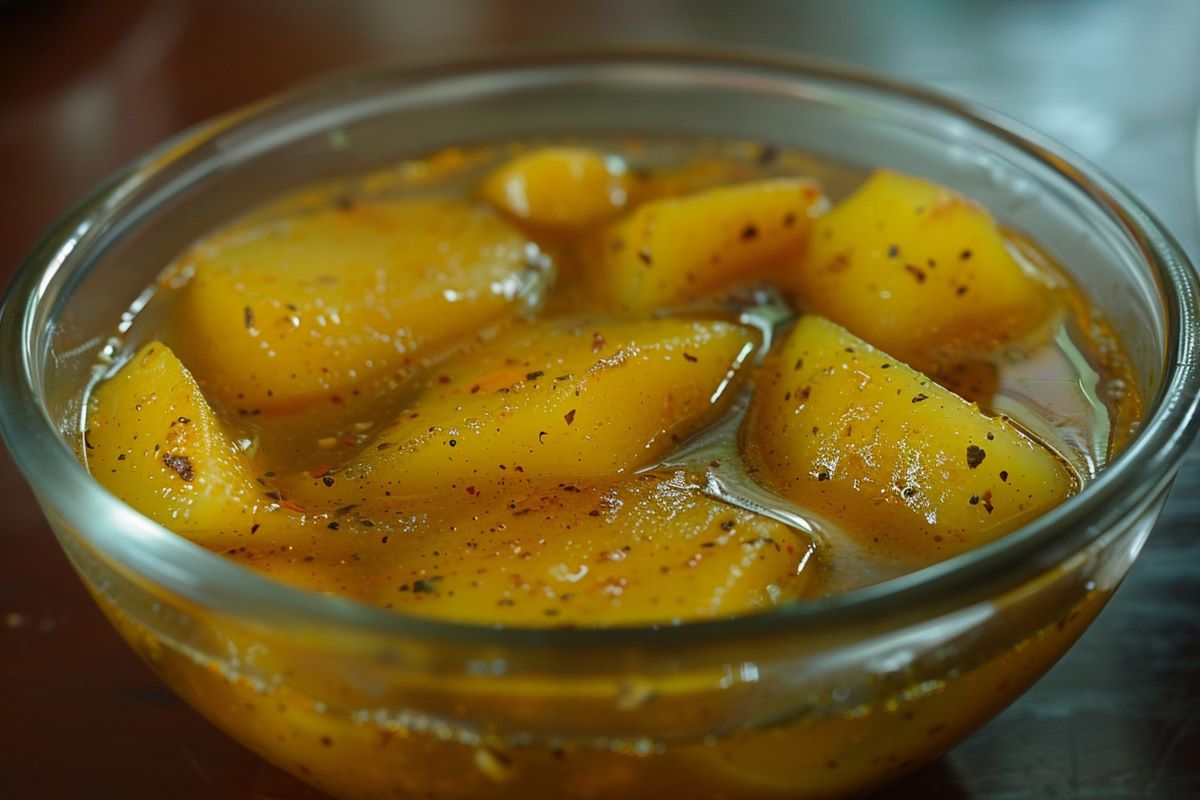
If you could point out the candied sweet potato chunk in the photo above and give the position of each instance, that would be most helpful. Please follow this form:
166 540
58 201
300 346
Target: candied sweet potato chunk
918 271
303 310
559 188
153 441
565 400
673 250
904 464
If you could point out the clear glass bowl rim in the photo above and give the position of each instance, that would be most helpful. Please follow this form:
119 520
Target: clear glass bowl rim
148 553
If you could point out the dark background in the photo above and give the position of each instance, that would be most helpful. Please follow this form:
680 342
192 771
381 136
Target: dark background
87 85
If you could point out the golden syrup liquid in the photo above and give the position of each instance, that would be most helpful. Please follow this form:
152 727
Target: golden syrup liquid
1073 391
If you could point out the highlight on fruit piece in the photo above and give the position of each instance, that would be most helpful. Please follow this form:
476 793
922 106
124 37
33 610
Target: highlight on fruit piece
920 272
595 552
559 188
307 310
906 466
566 399
674 250
154 442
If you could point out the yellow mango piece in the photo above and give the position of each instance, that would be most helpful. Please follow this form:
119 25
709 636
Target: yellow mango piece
561 400
674 250
918 271
154 442
304 310
906 466
649 549
559 188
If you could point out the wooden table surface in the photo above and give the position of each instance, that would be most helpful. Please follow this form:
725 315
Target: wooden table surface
87 85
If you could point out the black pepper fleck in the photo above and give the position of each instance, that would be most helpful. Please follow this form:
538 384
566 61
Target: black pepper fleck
975 455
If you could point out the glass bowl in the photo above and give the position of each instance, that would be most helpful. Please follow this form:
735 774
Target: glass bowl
818 698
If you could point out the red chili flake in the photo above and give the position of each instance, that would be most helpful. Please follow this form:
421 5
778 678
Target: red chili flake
471 490
475 389
597 342
690 357
749 233
644 256
336 399
182 466
443 378
533 376
916 272
317 472
569 416
975 455
254 528
987 502
248 317
799 363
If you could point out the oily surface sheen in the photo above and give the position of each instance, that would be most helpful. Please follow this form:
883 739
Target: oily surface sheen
574 400
305 310
904 463
450 390
646 549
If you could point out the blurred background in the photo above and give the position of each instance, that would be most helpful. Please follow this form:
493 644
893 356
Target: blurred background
87 85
